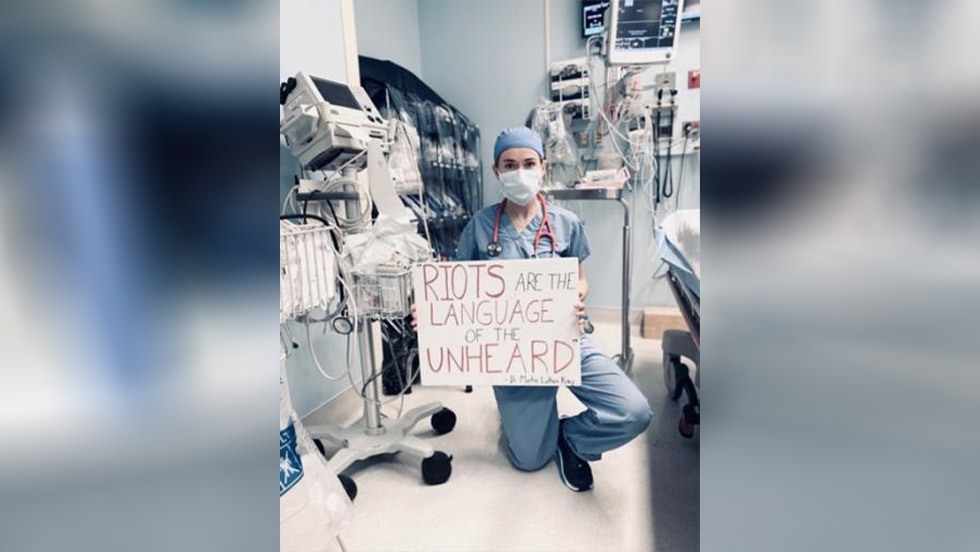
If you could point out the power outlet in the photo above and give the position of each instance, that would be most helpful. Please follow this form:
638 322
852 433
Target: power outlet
694 78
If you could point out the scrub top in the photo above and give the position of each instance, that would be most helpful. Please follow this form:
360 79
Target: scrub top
570 238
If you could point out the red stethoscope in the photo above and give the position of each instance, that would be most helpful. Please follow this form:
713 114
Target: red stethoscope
494 249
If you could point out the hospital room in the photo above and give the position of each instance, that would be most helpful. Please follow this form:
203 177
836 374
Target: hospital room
490 273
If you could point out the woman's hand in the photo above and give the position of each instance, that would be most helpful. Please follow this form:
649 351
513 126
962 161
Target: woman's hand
415 319
580 313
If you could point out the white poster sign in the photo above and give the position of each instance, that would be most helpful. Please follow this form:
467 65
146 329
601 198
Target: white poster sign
498 322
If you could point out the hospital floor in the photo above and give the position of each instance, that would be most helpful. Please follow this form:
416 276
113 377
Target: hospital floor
646 494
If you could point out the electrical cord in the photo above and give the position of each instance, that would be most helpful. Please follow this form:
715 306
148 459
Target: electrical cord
304 216
364 198
636 161
412 353
669 169
649 204
290 194
375 376
656 146
411 357
350 378
316 360
333 212
649 196
401 381
609 124
328 317
287 341
680 176
398 374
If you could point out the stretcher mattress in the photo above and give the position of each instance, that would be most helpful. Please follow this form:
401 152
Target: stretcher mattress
679 240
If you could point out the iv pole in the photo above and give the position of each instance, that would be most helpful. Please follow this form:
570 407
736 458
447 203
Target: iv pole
373 435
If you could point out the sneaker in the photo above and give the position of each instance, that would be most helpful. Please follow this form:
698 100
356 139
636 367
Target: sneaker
575 473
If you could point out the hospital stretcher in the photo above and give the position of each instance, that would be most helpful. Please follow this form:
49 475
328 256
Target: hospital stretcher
679 237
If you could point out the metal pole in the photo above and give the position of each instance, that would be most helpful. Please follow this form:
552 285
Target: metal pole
352 206
369 369
627 353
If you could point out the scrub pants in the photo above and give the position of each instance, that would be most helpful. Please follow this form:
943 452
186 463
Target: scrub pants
616 412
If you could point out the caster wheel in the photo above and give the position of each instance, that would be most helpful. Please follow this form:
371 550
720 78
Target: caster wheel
349 486
443 421
692 414
674 373
685 429
437 468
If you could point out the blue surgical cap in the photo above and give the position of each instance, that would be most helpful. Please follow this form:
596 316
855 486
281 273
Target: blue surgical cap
517 137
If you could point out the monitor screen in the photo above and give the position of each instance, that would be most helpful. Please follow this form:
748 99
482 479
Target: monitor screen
646 24
336 93
594 17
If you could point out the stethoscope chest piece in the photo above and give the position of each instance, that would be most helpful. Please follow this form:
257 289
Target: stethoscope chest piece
494 249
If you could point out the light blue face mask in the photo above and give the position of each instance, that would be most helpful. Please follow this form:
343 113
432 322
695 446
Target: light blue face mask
521 186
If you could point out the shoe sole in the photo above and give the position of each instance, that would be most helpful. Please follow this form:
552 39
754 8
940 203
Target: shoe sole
561 475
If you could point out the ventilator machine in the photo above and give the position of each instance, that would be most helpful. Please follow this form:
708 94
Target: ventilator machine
346 269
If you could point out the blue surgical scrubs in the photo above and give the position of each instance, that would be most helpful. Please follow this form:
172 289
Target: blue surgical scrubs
616 411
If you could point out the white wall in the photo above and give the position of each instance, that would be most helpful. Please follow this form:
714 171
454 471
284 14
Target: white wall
389 29
311 39
485 57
